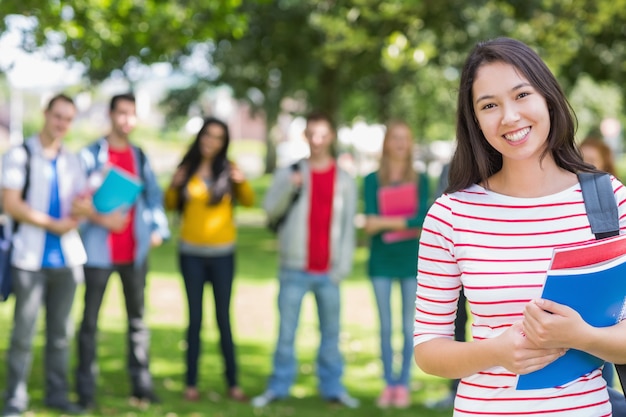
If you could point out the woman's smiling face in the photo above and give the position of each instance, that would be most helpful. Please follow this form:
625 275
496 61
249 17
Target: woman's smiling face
511 113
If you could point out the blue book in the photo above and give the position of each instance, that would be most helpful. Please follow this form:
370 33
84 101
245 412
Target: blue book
119 191
591 279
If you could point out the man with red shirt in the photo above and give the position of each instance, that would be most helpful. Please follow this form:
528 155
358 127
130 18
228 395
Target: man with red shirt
316 244
119 242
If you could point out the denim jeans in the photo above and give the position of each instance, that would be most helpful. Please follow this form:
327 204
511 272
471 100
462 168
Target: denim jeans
294 285
54 289
219 271
382 291
138 339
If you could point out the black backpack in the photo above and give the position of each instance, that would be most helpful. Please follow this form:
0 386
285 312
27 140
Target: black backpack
603 215
6 239
275 224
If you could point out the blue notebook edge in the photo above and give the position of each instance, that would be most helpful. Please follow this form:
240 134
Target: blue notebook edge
608 288
119 190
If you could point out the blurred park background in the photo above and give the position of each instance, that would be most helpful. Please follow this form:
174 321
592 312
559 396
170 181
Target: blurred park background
261 65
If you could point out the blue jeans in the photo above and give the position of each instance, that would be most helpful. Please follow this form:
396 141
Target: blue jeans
382 291
294 285
219 271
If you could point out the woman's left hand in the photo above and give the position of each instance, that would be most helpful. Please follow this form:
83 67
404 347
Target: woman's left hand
552 325
372 225
236 174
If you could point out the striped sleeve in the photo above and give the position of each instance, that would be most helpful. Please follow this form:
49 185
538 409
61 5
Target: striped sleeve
438 276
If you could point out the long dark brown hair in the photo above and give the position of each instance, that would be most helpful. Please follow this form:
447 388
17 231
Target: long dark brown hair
220 166
475 160
384 171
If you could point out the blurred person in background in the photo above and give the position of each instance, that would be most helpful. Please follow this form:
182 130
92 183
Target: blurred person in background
316 245
204 190
48 254
120 242
393 257
596 152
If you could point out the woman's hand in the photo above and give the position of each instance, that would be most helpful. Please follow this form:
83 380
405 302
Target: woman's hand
520 355
373 225
552 325
236 175
178 178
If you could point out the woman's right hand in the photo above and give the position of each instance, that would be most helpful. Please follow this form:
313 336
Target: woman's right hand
520 356
178 178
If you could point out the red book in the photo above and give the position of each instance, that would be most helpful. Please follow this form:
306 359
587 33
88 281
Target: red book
398 200
585 254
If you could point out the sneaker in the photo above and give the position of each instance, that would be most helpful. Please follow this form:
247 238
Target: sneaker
146 397
401 397
346 400
237 394
88 404
11 412
191 394
263 399
67 408
386 397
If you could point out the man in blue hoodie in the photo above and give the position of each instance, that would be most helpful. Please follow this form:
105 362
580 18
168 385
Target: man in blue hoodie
119 242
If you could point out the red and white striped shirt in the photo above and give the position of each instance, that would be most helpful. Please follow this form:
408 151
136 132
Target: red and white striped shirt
498 249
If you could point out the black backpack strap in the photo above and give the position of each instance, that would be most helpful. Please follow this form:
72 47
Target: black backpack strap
603 217
275 225
600 204
26 181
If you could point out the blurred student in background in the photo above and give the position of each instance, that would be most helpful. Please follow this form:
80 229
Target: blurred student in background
596 152
204 190
43 189
120 241
316 246
396 202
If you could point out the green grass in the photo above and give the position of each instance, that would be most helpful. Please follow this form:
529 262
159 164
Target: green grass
254 318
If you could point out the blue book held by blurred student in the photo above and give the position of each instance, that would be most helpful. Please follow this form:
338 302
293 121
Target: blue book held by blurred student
119 191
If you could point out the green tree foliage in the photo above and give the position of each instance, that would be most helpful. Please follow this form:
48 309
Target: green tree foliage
367 59
116 35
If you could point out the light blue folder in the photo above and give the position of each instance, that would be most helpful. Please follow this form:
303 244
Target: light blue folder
118 191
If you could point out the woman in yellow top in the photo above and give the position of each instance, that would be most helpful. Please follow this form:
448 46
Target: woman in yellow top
204 189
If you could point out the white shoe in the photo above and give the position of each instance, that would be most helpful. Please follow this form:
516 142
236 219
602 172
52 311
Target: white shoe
263 399
346 400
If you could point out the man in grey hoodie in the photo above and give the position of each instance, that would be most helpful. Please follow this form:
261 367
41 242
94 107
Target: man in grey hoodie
316 246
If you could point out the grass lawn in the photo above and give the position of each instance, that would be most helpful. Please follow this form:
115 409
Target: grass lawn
254 318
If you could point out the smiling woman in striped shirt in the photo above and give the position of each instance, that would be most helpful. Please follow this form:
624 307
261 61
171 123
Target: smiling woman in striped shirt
513 196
